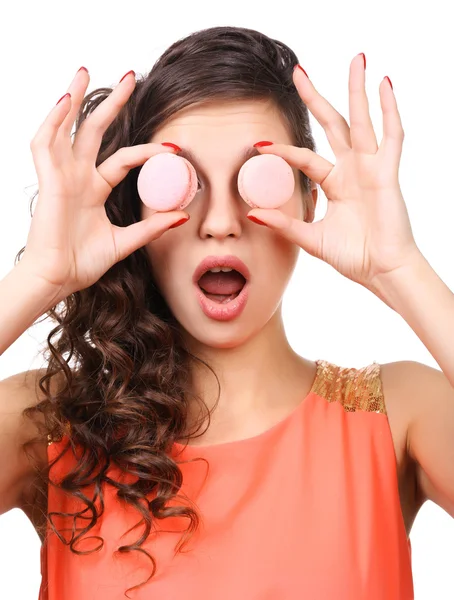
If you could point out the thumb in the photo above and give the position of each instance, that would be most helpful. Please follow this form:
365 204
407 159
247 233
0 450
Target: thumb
306 235
131 238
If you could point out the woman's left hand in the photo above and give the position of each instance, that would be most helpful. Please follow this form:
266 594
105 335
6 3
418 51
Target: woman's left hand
366 232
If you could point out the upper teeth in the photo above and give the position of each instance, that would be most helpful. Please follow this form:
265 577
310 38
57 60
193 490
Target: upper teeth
223 269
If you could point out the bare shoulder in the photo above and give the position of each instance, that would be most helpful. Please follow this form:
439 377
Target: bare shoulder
406 389
398 380
18 473
397 406
428 397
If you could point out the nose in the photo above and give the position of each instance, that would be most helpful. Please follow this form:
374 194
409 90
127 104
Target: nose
223 212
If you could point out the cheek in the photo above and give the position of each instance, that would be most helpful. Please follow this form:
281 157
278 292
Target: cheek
278 259
168 259
160 257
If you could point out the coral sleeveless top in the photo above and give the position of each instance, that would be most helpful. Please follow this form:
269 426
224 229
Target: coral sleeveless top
308 509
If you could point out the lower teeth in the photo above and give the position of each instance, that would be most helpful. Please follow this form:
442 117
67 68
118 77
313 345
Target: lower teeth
222 299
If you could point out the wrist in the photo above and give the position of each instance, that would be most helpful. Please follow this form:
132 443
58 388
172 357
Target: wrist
51 294
393 286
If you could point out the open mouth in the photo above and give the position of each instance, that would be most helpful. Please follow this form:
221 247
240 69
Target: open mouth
222 285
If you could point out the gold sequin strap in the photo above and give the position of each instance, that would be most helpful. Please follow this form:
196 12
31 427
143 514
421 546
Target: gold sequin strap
354 389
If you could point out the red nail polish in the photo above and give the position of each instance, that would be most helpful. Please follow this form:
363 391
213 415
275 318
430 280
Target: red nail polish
126 74
178 223
83 69
64 96
255 220
300 67
260 144
177 148
389 80
364 58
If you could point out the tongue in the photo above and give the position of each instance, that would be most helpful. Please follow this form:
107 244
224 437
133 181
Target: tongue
222 283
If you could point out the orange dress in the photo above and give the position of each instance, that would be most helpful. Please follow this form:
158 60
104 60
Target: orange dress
308 509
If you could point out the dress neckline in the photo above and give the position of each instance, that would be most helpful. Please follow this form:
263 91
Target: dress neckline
260 437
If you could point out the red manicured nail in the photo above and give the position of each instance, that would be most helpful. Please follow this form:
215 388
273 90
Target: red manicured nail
389 81
64 96
177 148
178 223
126 74
300 67
260 144
83 69
251 218
364 58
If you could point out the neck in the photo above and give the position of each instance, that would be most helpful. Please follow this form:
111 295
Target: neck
263 376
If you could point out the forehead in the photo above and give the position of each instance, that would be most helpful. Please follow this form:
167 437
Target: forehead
218 119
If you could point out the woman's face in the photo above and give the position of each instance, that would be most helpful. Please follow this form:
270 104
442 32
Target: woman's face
218 135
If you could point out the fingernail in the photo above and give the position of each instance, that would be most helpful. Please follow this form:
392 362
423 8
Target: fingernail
126 74
83 69
300 67
364 58
177 148
251 218
178 223
260 144
389 81
64 96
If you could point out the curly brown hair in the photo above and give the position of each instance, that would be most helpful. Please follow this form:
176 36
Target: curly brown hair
124 398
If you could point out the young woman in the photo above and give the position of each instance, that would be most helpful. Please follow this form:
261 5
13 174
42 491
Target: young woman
308 476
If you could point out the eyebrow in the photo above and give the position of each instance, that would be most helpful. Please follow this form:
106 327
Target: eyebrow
247 153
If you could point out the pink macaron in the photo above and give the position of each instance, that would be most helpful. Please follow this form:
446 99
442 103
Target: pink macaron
167 182
266 181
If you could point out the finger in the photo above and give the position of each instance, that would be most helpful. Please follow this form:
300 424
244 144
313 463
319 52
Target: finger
335 126
88 139
362 132
312 164
305 235
131 238
77 89
393 133
115 168
43 141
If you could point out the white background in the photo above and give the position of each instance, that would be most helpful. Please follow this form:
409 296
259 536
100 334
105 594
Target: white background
42 44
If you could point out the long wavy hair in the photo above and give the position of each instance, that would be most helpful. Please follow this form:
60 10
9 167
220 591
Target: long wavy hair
116 349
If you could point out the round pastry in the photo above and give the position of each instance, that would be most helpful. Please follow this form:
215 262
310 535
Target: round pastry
266 181
167 182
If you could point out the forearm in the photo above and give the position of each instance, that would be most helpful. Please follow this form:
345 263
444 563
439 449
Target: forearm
426 303
23 299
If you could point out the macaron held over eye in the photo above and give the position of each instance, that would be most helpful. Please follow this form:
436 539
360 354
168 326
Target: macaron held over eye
169 182
266 181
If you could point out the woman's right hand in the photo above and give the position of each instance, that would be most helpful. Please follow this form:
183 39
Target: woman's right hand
71 242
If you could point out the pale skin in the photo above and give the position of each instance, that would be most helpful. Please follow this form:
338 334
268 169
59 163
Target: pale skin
250 354
365 235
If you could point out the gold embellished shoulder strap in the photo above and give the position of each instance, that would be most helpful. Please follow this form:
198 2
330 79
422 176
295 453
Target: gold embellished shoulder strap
354 389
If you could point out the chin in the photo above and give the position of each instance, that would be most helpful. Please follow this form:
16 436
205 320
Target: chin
218 335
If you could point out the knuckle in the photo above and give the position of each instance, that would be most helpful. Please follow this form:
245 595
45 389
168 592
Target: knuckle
33 142
96 125
36 143
125 157
122 154
93 123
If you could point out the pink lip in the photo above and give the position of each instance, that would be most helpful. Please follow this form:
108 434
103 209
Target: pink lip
215 310
223 312
210 262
